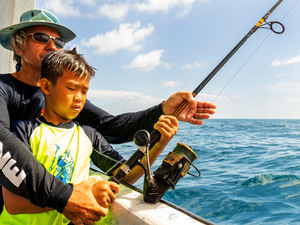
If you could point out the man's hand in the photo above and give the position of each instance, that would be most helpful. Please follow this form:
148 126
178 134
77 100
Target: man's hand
193 113
82 206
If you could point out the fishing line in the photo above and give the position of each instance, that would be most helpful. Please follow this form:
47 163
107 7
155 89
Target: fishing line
117 162
265 25
248 59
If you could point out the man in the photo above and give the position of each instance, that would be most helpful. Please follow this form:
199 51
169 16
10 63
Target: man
38 33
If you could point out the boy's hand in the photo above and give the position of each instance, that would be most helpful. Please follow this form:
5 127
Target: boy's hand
167 126
82 206
104 192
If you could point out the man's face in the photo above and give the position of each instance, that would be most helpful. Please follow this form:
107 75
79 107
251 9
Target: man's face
33 52
67 97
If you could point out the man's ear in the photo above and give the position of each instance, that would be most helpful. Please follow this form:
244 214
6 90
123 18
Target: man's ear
19 50
46 86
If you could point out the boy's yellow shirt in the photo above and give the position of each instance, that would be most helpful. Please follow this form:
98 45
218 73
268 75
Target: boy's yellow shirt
65 153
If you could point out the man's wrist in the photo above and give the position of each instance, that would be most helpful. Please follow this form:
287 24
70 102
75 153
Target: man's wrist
162 105
61 197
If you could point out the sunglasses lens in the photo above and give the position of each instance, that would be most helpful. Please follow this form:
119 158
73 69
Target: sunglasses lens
59 43
41 37
45 38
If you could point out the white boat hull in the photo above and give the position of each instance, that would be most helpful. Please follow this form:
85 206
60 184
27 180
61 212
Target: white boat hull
129 208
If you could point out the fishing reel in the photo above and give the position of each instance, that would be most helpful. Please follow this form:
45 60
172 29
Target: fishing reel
175 166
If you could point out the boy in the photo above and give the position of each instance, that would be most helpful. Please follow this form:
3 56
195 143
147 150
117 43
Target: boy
64 147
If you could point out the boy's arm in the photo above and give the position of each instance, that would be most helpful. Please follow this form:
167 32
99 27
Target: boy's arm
167 126
109 160
16 204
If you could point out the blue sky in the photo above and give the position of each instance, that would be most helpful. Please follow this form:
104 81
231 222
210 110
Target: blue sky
146 50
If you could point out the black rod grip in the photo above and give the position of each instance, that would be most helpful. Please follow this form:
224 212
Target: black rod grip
154 138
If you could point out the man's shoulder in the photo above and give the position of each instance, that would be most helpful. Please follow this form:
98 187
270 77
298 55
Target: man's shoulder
4 76
6 80
87 129
25 125
9 84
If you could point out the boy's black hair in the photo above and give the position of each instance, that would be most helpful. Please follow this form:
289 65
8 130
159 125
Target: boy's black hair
54 64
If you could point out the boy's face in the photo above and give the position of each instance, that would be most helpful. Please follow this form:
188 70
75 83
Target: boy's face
67 97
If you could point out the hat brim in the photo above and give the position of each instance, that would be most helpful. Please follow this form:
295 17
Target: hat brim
7 32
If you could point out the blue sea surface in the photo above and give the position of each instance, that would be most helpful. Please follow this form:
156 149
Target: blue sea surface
250 171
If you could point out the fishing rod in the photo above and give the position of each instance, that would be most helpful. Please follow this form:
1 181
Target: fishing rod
177 163
155 135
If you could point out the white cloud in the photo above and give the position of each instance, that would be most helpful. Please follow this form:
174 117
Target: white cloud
149 61
62 7
128 37
91 3
285 88
272 103
219 100
286 61
282 75
162 5
238 96
170 83
117 102
115 11
195 65
152 6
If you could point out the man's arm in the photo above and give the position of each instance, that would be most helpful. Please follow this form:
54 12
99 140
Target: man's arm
16 204
121 128
104 192
22 174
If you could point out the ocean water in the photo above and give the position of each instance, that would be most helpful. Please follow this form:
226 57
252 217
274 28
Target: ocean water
250 171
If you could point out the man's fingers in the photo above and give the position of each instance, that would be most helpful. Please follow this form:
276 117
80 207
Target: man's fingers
206 105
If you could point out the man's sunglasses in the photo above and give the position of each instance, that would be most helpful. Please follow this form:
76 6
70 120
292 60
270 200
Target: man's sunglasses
45 38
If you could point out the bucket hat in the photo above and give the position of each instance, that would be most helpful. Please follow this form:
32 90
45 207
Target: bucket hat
35 17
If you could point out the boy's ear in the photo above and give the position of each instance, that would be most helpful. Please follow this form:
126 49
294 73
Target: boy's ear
46 86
